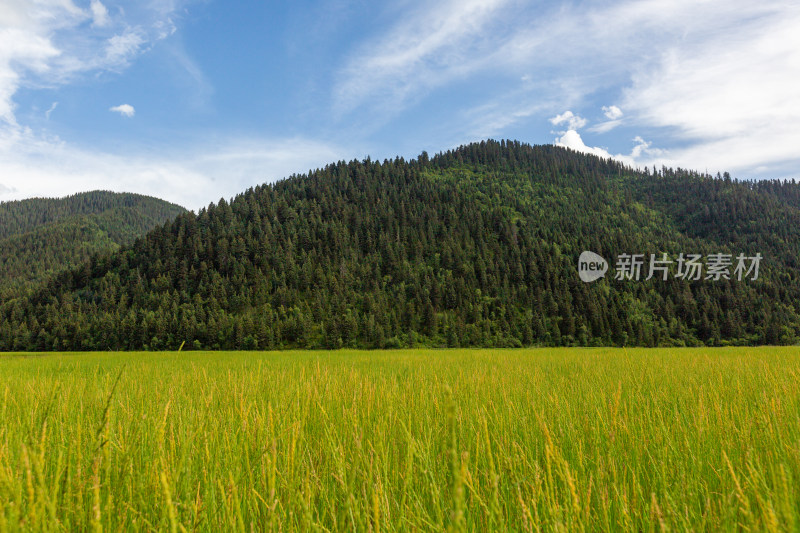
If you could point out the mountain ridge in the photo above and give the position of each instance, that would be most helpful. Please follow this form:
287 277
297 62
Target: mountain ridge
476 246
42 236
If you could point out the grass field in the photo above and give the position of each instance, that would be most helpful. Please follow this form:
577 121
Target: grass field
540 439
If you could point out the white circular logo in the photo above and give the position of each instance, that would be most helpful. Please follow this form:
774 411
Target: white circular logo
591 267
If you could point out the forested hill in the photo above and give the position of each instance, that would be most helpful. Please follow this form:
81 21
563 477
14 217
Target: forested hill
477 246
42 236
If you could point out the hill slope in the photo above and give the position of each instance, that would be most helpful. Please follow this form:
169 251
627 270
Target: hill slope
474 247
42 236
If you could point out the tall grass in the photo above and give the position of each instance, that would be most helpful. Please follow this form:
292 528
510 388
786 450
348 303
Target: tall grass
543 439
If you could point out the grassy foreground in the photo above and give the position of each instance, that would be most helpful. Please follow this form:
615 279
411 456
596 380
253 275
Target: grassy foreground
540 439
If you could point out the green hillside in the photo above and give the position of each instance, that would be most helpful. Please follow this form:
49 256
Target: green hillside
477 246
43 236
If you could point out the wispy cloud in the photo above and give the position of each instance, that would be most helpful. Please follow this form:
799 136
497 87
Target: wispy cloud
50 110
19 47
428 48
49 42
733 99
605 127
492 118
717 77
100 16
701 75
122 47
198 89
193 175
614 115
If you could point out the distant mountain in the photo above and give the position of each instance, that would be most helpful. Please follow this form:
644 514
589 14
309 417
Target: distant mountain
477 246
43 236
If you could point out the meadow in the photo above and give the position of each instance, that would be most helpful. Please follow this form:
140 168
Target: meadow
517 440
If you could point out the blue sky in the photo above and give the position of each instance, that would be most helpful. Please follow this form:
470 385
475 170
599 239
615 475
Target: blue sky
196 100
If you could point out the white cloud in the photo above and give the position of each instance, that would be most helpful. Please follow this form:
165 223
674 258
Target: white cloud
126 110
641 154
192 176
572 139
568 118
100 16
733 100
19 47
612 112
47 43
642 147
704 75
718 78
426 49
